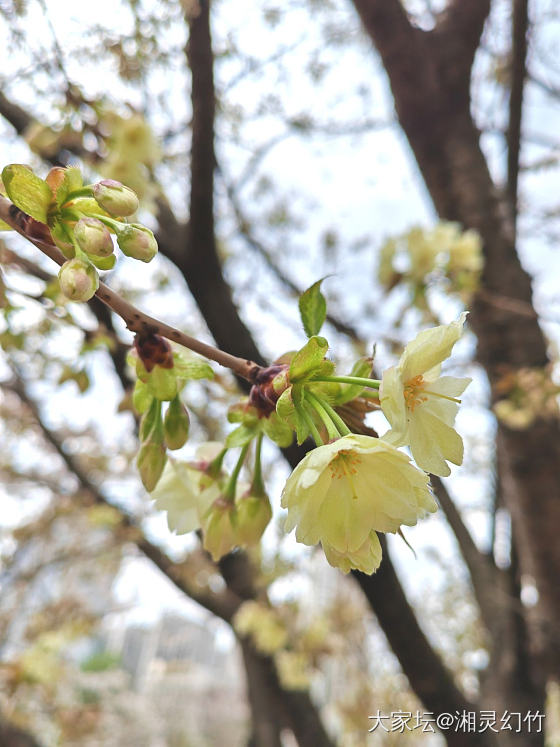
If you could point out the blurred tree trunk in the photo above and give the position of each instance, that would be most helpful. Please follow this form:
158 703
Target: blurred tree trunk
429 73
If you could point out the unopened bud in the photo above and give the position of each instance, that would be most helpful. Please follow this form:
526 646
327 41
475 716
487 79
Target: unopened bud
176 424
93 237
115 198
150 462
137 241
218 528
253 516
78 279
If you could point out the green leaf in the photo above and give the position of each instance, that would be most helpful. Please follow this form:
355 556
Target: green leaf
27 191
307 360
313 309
241 436
278 430
191 368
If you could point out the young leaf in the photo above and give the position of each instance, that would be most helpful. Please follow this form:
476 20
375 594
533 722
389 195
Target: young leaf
313 309
27 191
309 358
241 436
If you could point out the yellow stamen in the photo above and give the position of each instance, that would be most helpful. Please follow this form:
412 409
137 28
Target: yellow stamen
345 465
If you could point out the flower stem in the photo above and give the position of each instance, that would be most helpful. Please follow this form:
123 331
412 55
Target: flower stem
229 492
337 420
257 486
359 380
311 425
319 407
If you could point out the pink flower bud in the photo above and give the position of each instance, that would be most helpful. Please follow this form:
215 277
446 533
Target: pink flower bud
115 198
78 279
93 237
137 241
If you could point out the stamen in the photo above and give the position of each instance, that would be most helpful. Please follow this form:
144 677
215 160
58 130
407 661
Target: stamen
414 393
345 465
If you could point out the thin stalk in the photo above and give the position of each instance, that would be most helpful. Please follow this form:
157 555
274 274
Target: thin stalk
229 492
337 420
359 380
317 405
312 427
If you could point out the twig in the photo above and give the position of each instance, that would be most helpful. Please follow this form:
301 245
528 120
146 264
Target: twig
135 320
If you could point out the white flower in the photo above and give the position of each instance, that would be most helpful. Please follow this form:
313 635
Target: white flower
421 405
343 493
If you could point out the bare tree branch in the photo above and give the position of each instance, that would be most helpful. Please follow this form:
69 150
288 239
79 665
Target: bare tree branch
520 23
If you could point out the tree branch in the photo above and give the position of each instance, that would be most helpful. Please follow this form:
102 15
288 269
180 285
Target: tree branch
520 21
136 320
482 571
199 262
428 676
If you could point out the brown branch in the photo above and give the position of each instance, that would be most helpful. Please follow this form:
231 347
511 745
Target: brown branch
199 262
135 320
482 571
520 21
429 678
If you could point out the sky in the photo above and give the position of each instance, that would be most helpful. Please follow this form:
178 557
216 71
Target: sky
364 187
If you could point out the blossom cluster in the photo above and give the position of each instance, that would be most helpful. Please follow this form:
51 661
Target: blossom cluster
351 486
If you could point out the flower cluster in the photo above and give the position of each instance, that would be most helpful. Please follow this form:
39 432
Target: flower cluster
81 220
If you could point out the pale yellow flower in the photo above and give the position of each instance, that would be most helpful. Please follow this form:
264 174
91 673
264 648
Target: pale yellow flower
421 405
185 492
340 494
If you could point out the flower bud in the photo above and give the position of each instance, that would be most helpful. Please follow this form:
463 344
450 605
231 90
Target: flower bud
78 279
176 424
137 241
93 237
115 198
253 516
218 528
150 462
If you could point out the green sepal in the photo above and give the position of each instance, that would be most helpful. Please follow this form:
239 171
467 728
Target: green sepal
308 360
191 368
163 383
241 436
142 398
313 309
277 430
27 191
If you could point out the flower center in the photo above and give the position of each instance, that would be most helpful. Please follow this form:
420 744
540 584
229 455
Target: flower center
414 392
345 464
